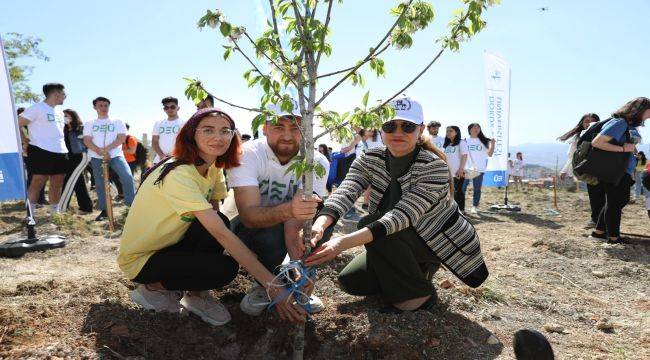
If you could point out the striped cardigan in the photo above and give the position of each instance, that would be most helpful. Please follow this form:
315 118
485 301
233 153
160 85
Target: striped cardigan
424 205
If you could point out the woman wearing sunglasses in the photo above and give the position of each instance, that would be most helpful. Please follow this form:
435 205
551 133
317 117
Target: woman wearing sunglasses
414 224
175 239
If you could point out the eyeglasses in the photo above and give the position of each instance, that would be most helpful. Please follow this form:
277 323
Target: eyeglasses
209 132
391 126
170 107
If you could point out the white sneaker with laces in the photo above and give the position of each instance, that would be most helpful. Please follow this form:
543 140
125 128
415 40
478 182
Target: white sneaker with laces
157 300
255 301
473 210
207 308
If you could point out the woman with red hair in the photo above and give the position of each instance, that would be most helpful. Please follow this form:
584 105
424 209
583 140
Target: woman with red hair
175 241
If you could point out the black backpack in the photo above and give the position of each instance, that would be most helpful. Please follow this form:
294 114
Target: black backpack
580 160
141 154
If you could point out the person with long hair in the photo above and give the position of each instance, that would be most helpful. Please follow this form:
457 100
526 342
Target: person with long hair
413 225
456 151
615 137
176 244
73 132
595 192
323 149
480 148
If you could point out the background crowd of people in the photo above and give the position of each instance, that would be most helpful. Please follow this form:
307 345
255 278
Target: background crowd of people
175 233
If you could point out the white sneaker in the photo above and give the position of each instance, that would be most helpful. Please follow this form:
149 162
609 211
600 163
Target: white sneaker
157 300
315 304
207 308
255 301
473 210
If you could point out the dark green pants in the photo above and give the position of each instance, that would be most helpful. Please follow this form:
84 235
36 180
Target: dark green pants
393 267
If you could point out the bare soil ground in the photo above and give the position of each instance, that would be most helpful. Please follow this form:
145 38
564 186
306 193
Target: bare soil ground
589 298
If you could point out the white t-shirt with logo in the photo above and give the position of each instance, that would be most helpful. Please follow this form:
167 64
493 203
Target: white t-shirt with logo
518 167
103 133
477 154
438 141
46 127
260 167
454 155
167 130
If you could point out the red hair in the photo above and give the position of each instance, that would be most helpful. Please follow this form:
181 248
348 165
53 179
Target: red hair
186 150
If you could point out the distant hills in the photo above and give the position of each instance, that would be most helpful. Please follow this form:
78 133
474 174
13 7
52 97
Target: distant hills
542 154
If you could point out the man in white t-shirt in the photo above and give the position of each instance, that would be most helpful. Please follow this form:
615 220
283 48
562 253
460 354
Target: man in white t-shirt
165 131
270 203
432 128
47 155
104 138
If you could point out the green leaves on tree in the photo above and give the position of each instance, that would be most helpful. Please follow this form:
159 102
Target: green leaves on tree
17 47
299 167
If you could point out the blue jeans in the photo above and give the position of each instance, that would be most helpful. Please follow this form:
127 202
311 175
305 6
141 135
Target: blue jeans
268 243
477 183
639 185
121 168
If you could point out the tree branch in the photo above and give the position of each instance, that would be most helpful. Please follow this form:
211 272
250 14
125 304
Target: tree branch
374 49
454 34
322 39
414 79
256 68
290 76
230 103
343 124
352 67
276 31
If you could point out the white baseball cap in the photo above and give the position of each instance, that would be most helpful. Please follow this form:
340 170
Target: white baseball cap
277 109
407 109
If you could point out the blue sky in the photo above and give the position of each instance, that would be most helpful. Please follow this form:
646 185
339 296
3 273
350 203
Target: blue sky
579 56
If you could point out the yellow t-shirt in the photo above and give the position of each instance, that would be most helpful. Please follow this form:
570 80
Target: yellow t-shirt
161 214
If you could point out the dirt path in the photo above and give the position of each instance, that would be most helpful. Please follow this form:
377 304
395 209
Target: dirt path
589 298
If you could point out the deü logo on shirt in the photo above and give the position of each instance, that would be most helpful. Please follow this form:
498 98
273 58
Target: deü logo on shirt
169 129
104 128
475 148
54 118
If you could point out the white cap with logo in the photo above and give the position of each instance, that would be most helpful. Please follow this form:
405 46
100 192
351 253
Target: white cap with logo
277 109
407 109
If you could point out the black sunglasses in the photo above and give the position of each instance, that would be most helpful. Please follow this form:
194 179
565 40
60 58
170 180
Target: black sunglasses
173 107
391 126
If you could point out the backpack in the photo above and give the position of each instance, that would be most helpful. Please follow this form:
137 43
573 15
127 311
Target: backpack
584 149
141 153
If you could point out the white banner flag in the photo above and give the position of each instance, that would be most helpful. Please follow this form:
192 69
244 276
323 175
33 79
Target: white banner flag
497 85
12 176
